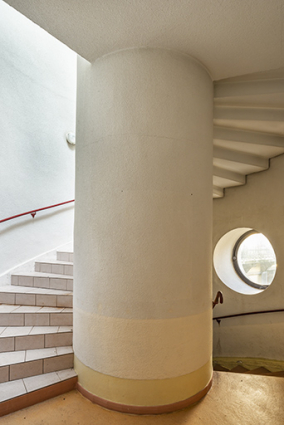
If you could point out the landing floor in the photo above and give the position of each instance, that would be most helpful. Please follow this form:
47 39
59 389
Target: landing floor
235 399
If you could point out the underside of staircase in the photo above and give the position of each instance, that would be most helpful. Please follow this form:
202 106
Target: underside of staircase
248 127
36 319
239 368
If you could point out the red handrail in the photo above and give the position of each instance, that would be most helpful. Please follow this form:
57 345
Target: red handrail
219 297
33 212
218 319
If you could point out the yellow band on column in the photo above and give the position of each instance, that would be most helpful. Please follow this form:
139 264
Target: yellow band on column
109 391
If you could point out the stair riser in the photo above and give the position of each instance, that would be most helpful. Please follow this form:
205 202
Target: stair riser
64 269
263 371
65 256
36 367
32 342
40 300
26 398
36 319
43 282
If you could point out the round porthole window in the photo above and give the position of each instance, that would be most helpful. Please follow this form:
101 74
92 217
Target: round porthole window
254 259
245 261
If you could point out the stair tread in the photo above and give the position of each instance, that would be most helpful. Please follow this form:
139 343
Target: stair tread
12 389
16 357
41 274
33 290
13 331
59 262
66 251
16 309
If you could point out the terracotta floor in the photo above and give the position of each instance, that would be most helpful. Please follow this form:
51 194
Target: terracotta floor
234 399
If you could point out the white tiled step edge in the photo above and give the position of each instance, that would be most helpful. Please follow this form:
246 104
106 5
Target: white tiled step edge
55 267
34 337
12 389
26 295
43 280
65 256
13 315
22 364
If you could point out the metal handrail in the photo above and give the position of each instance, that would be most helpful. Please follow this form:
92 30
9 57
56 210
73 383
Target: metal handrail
219 298
247 314
33 212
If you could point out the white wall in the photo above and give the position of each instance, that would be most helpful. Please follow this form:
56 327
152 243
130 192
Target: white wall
37 108
258 205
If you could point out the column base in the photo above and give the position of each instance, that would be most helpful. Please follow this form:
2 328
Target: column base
143 396
144 410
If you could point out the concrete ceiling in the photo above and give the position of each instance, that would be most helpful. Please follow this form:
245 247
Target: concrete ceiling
241 42
230 37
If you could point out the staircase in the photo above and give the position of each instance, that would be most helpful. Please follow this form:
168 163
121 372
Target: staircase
248 127
239 368
36 354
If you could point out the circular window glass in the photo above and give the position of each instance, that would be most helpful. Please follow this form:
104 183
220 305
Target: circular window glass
254 259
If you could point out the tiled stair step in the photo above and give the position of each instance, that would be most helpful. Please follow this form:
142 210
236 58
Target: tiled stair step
54 267
43 280
65 256
12 315
27 295
21 393
34 337
23 364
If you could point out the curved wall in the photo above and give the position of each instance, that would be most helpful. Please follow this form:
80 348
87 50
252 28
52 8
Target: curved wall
142 298
37 107
257 205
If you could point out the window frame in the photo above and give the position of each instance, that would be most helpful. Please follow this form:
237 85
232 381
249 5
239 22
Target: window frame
235 261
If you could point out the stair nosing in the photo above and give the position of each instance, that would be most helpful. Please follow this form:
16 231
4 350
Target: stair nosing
37 358
34 290
26 391
44 274
57 262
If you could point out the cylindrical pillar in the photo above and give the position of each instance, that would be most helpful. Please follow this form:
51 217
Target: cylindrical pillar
142 297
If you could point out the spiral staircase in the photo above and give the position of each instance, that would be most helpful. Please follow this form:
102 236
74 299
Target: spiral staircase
248 127
36 355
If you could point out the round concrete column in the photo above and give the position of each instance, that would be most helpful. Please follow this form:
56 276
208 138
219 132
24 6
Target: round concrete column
142 298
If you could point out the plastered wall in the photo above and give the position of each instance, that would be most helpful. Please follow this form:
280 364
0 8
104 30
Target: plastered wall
258 205
37 108
143 224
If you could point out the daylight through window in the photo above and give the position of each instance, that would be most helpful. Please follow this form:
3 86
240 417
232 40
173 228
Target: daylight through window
254 260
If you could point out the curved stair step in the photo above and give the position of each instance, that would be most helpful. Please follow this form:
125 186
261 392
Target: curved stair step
21 393
54 267
23 364
30 338
43 280
279 374
219 368
239 369
259 371
12 315
65 256
26 295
